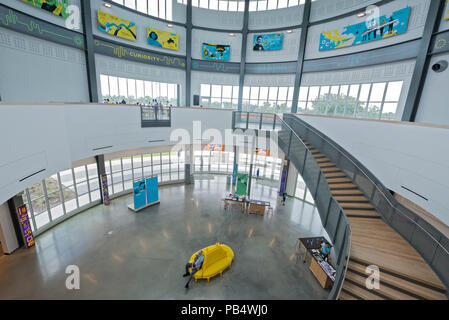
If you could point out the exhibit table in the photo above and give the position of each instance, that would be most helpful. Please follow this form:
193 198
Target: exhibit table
311 243
322 270
258 206
241 202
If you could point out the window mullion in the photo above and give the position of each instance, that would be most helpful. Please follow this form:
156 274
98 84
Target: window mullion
31 213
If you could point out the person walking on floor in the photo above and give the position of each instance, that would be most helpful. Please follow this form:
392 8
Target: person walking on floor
257 173
284 197
195 265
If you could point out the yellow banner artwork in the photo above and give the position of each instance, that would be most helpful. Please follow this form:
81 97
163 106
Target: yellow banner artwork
162 39
116 26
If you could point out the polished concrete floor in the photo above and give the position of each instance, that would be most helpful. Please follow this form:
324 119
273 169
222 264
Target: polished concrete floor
123 255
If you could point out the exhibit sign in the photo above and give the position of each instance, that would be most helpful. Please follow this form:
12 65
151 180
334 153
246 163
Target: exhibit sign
140 195
242 184
266 42
25 226
216 52
152 190
381 27
57 7
116 26
104 187
215 147
446 11
162 39
262 152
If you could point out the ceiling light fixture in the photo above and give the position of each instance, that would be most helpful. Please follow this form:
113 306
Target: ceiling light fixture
108 5
231 34
289 31
361 14
169 25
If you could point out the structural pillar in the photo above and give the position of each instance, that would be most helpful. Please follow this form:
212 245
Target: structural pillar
89 50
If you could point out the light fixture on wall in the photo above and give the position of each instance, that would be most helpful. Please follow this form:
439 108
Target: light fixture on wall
107 5
231 34
289 31
170 25
361 14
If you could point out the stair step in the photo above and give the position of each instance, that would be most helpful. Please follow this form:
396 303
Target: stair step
351 198
360 292
383 289
319 160
346 296
342 186
338 180
401 283
330 169
361 213
346 192
314 151
318 155
356 205
326 164
334 174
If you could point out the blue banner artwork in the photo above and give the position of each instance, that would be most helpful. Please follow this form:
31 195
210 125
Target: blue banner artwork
265 42
140 199
370 30
152 190
216 52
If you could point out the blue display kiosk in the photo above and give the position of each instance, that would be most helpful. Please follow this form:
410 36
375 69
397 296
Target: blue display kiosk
145 194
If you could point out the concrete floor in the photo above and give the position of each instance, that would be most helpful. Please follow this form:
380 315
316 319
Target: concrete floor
123 255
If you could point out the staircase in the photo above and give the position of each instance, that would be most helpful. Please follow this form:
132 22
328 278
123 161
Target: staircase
404 275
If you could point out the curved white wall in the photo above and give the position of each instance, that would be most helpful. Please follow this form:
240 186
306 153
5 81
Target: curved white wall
59 72
51 137
325 9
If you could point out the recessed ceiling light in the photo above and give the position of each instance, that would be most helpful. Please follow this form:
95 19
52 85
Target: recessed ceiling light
169 25
289 31
108 5
361 14
231 34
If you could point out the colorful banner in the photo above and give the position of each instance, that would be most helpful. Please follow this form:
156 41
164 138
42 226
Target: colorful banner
367 31
140 195
215 147
446 11
242 184
262 152
116 26
216 52
273 41
57 7
25 225
104 187
162 39
234 174
152 190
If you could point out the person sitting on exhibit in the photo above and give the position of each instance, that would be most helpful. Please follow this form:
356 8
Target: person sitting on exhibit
325 250
259 46
196 266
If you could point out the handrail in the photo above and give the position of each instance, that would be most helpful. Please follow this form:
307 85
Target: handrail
341 274
390 202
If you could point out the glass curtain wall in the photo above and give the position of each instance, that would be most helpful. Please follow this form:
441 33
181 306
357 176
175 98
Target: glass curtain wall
238 5
302 192
61 194
156 8
267 99
219 96
121 172
366 100
132 91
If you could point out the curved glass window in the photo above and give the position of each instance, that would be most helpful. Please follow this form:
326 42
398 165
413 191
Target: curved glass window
156 8
238 5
